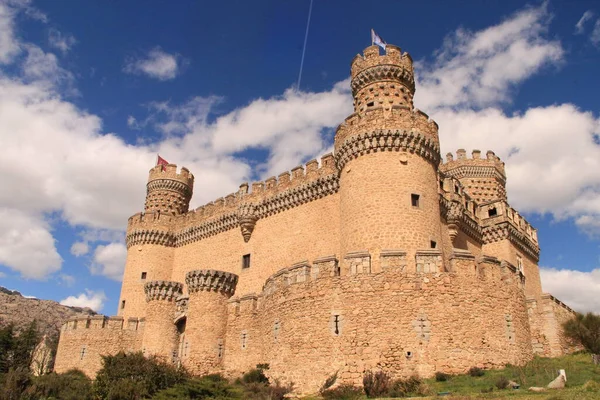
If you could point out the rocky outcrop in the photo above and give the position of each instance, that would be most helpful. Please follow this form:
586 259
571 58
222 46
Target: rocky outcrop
49 315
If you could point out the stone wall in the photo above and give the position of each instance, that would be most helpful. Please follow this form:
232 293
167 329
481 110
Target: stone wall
84 340
402 323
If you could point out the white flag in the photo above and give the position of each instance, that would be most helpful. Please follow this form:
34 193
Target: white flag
377 40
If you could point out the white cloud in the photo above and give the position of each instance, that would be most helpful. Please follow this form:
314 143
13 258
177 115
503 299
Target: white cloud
92 299
579 290
157 64
109 260
60 41
67 280
595 35
44 68
80 248
26 245
551 147
9 46
580 26
480 69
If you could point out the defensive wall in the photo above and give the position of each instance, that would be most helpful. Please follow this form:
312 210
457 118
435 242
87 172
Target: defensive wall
427 266
84 340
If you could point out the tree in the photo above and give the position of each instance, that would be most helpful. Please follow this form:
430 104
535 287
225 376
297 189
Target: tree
16 349
584 329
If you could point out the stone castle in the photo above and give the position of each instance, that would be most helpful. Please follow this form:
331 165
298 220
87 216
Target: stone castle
378 257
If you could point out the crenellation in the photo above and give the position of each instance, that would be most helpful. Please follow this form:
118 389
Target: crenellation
427 266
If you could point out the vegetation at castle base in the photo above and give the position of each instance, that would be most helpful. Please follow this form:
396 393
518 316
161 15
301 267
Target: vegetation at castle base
584 329
16 349
583 380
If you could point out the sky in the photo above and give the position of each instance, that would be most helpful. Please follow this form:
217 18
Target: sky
91 91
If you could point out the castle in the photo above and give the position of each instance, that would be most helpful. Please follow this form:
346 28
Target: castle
378 257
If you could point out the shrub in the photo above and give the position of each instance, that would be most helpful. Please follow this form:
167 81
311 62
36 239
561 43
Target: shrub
72 385
13 384
343 392
376 384
441 377
209 386
476 372
502 382
407 387
133 376
256 375
329 382
585 331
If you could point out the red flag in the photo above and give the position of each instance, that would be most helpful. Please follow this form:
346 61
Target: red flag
161 161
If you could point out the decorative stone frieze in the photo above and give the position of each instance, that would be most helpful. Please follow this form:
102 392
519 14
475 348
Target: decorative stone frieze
505 230
163 290
247 219
387 140
169 184
150 236
206 229
383 72
212 281
321 187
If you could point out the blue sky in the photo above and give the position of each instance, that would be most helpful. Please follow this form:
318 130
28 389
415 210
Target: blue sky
91 91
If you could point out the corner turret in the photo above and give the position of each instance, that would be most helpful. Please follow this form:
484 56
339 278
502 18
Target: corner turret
168 191
484 179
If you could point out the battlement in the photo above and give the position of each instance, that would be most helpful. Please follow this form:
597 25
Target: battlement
169 171
103 322
497 212
371 58
461 160
211 280
163 290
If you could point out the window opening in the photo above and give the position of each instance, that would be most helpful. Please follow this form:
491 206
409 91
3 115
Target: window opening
433 244
246 261
492 212
82 354
244 340
336 321
370 104
122 304
414 199
144 274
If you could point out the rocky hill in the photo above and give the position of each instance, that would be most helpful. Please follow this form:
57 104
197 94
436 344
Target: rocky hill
50 315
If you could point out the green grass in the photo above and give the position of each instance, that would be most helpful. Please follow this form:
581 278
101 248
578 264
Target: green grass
583 381
539 372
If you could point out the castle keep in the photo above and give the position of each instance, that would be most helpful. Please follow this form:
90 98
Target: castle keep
380 256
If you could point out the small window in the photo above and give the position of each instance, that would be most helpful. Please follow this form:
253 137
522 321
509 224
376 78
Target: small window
82 353
370 104
492 212
456 189
144 274
246 261
433 244
122 304
414 200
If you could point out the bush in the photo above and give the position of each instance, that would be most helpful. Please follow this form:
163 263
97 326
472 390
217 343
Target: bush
329 382
133 376
256 375
407 387
502 382
209 386
376 384
343 392
72 385
441 377
13 384
476 372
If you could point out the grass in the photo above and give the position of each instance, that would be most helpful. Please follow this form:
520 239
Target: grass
583 381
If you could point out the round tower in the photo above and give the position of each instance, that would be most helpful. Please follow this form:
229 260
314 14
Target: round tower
150 239
206 325
168 191
160 333
387 154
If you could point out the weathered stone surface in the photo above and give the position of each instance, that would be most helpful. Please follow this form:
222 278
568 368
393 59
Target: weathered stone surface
378 257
